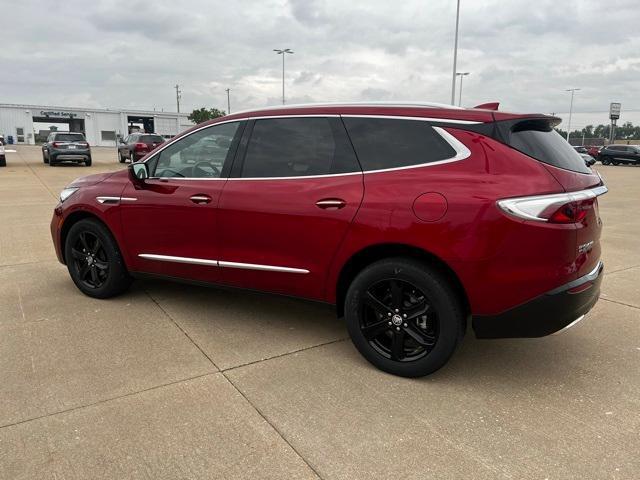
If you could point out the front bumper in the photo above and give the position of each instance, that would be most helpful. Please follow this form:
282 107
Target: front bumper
546 314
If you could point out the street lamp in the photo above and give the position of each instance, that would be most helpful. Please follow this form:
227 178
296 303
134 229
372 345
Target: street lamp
572 90
283 52
461 75
455 57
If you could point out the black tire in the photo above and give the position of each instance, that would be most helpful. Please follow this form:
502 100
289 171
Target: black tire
44 157
120 157
105 274
428 310
614 163
605 160
87 162
52 161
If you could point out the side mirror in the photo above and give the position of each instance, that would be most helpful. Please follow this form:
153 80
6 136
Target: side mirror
138 172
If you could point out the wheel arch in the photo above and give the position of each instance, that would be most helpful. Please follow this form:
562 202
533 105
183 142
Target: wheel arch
74 218
373 253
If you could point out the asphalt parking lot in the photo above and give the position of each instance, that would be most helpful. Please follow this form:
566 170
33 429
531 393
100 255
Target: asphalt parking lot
174 381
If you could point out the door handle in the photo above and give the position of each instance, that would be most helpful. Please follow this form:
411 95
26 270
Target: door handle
331 203
200 199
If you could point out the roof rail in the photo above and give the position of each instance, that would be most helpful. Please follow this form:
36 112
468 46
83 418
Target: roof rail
355 104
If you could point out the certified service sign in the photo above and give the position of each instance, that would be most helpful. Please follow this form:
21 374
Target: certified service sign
614 111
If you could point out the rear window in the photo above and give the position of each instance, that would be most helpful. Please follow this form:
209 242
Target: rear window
69 137
539 140
389 143
151 139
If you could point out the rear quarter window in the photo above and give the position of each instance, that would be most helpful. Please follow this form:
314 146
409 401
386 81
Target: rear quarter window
382 143
537 139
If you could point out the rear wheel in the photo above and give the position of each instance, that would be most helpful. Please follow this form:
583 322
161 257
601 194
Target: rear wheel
120 157
44 157
404 317
87 162
52 161
605 160
614 162
94 260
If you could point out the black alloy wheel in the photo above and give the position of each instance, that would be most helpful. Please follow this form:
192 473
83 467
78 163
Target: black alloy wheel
404 316
94 260
90 260
398 320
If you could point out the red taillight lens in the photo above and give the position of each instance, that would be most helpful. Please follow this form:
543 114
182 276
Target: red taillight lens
84 144
572 212
556 208
140 146
56 144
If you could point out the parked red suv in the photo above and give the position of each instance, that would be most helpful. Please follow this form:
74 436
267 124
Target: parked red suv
412 219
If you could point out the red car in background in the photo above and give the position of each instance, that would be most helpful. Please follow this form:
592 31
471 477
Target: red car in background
414 220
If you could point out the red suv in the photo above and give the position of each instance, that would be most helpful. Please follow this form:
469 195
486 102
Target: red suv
412 219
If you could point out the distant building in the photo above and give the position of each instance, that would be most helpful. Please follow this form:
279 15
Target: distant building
101 127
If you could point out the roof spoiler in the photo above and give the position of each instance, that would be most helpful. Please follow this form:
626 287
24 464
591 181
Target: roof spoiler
488 106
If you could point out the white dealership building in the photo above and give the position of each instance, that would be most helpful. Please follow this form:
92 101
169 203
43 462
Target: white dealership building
29 124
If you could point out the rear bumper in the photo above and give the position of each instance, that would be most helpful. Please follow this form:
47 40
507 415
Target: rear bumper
546 314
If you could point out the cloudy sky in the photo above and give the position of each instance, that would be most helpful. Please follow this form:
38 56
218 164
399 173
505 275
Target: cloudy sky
131 53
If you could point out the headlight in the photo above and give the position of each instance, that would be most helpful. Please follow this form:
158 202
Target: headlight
67 192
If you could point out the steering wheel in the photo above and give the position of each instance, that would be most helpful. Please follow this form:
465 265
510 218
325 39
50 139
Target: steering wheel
174 173
204 172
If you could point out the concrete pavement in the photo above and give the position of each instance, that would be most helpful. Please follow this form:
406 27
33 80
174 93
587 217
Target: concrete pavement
175 381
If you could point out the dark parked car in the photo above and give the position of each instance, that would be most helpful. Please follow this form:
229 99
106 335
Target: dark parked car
415 221
61 146
137 145
616 154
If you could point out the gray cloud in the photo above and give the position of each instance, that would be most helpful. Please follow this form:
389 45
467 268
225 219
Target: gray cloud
131 53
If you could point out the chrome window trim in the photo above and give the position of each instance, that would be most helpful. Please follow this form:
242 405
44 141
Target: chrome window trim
461 150
407 117
221 263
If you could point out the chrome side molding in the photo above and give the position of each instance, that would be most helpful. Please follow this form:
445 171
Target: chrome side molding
221 263
115 200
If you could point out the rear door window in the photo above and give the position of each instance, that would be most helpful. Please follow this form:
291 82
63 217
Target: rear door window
539 140
298 147
382 143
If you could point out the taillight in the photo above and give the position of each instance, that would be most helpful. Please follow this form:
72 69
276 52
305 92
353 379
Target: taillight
84 144
140 146
56 144
556 208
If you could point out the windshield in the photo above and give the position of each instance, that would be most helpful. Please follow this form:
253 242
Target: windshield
69 137
539 140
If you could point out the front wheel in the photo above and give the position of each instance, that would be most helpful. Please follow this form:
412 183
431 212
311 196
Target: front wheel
94 260
404 317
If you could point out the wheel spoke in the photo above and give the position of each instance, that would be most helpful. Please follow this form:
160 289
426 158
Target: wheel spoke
396 293
376 304
417 310
375 329
422 338
397 345
77 254
100 264
94 276
84 269
96 246
83 241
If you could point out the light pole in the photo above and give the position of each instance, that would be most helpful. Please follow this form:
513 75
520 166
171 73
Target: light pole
455 57
461 75
228 101
572 90
283 52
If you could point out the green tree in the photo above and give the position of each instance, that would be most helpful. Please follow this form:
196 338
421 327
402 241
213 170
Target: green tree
203 114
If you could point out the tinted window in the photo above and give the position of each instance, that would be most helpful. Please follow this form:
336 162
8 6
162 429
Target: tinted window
151 139
294 147
199 155
69 137
539 140
389 143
